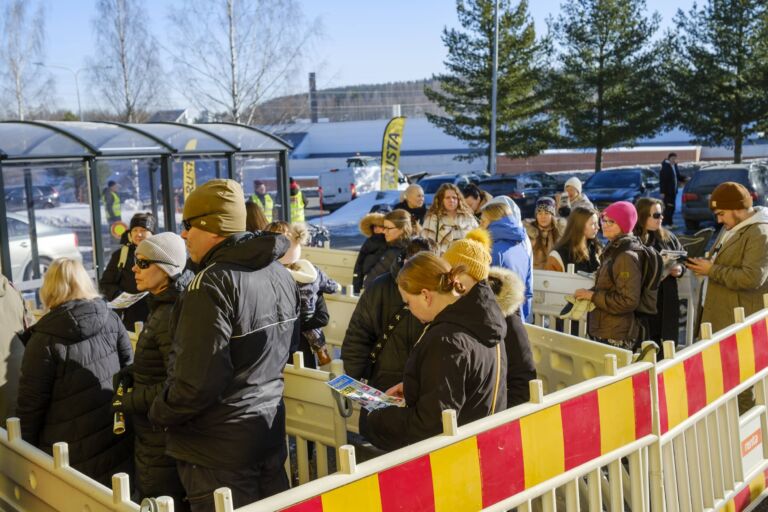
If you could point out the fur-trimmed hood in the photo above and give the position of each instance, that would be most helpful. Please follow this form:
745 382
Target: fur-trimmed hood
370 220
508 289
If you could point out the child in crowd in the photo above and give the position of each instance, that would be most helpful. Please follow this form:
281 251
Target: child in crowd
313 283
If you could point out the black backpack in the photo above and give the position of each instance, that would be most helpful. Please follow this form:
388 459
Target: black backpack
653 273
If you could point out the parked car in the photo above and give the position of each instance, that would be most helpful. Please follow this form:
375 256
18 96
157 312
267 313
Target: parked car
362 174
698 190
611 185
52 243
548 184
523 190
45 196
432 182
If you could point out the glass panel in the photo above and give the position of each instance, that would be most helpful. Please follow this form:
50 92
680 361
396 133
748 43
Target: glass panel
62 216
261 169
184 138
189 173
19 139
110 138
137 188
245 138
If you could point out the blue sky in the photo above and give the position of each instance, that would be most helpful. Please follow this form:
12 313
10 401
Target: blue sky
365 41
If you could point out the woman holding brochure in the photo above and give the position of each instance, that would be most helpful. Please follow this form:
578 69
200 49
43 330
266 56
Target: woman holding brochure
458 363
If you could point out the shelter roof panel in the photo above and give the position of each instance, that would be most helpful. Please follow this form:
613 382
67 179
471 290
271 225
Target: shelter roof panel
111 139
19 140
249 139
186 138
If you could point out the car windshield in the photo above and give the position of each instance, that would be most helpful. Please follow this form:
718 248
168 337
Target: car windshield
430 185
713 177
617 179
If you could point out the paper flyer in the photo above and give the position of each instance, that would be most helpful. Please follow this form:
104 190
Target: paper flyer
126 300
369 398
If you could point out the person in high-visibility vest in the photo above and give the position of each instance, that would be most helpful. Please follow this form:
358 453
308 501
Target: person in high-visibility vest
297 202
261 198
112 202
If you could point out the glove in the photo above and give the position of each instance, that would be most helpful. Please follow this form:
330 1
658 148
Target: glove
576 309
124 377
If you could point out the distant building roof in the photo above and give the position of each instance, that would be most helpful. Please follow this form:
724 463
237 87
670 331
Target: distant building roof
170 116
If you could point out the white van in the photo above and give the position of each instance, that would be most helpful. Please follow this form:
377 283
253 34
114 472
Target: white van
362 174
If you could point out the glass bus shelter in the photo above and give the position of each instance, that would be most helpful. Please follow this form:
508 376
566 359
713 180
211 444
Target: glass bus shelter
54 176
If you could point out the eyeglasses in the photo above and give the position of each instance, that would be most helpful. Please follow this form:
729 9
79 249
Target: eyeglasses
657 215
144 264
605 221
388 228
187 223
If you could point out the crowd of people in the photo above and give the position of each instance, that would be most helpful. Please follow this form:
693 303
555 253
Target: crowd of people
440 322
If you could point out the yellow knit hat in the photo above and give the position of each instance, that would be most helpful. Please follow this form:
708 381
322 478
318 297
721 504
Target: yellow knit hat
473 252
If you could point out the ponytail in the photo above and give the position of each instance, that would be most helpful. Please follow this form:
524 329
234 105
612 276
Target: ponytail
426 271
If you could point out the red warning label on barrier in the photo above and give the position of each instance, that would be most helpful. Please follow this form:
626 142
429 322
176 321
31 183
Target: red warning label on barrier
751 442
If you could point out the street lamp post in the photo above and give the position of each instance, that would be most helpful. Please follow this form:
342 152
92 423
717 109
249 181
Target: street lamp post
77 84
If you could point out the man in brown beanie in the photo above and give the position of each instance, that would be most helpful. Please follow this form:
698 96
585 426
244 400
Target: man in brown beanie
736 270
222 406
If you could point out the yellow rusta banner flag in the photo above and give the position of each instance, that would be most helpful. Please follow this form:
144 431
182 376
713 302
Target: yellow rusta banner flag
189 170
390 153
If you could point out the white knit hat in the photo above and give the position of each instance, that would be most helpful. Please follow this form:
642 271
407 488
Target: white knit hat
166 250
575 183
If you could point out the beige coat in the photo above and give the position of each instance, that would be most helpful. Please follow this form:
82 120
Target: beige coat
11 349
739 275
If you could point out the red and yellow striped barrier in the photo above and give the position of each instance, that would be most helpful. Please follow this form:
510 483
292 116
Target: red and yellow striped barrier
748 494
697 381
487 468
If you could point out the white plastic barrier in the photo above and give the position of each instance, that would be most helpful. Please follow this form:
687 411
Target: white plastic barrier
710 452
517 458
312 415
33 480
338 264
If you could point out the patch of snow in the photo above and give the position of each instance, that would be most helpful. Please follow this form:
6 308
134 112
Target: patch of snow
345 220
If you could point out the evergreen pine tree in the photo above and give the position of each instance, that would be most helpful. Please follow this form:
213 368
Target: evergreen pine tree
606 88
720 71
464 91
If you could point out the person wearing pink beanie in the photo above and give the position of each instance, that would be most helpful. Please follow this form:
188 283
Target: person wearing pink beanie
618 282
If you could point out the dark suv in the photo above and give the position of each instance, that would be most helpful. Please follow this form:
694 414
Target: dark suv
697 192
45 196
523 191
611 185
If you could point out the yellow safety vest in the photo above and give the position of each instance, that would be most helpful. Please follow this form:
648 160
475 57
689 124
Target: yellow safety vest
297 207
266 207
115 210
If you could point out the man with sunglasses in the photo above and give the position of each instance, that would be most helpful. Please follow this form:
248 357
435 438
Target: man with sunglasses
222 405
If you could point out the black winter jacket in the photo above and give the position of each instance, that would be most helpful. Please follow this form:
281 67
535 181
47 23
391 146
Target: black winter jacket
454 366
664 325
370 253
66 386
117 280
387 259
232 329
375 309
156 473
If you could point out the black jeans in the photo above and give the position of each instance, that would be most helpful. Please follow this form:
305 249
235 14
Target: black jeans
263 479
669 210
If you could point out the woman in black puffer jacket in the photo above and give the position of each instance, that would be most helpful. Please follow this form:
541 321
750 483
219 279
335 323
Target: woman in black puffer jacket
398 231
159 264
66 374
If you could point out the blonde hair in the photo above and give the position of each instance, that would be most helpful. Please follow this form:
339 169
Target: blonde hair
66 280
495 211
427 271
297 232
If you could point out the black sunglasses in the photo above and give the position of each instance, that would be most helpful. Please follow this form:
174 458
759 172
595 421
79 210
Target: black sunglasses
187 223
657 215
144 264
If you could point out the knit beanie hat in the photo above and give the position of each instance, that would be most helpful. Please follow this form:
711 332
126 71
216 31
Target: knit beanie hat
473 252
217 206
166 250
143 220
575 183
730 196
624 213
546 204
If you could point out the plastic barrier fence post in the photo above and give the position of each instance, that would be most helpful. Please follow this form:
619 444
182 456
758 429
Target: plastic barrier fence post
121 488
222 498
165 504
611 365
347 462
13 426
450 423
60 455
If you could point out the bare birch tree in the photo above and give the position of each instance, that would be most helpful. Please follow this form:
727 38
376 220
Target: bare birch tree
126 68
232 54
22 46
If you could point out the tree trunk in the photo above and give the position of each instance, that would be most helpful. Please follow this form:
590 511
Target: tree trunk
234 90
598 158
738 144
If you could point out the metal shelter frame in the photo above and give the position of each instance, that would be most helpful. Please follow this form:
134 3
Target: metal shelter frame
89 153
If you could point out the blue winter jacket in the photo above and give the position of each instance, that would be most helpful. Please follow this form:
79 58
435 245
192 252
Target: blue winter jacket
512 250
